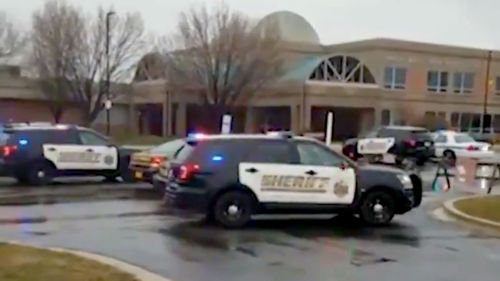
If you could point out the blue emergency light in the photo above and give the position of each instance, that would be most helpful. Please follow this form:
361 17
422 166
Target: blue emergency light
217 158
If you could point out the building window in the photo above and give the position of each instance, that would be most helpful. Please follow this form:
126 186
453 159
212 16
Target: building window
455 120
469 122
497 85
386 117
437 81
476 123
496 123
395 78
463 82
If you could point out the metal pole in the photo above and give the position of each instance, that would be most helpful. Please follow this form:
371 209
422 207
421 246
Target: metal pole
486 90
329 128
108 78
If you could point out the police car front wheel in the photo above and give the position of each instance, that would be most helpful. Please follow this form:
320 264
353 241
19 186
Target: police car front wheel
233 209
377 208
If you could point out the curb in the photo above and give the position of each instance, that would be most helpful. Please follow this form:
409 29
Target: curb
449 207
138 272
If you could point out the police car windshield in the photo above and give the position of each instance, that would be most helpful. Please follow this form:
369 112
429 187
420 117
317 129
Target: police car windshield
184 152
169 148
463 138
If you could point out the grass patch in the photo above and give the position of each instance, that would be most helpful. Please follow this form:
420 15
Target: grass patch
21 263
483 207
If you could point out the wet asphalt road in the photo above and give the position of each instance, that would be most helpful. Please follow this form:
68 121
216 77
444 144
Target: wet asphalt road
183 248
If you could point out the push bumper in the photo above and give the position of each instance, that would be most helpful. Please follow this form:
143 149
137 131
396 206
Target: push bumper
405 202
187 198
7 170
143 174
159 183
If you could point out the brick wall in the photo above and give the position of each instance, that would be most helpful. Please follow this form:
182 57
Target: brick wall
27 110
38 111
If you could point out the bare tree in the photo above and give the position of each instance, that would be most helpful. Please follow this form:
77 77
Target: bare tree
11 38
74 52
55 41
222 54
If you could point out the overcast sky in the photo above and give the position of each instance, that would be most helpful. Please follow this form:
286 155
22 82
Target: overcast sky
474 23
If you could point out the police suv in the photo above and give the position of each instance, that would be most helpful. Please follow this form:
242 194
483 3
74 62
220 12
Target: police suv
36 153
231 177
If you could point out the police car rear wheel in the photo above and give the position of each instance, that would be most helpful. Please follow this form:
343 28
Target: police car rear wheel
40 174
233 209
377 208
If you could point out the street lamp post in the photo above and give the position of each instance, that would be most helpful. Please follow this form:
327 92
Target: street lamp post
108 74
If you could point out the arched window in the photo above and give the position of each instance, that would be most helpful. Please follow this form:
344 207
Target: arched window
150 67
343 69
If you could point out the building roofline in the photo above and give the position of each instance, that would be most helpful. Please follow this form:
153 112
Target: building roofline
412 46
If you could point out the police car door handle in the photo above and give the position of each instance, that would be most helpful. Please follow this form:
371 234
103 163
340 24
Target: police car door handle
252 170
51 149
311 173
90 150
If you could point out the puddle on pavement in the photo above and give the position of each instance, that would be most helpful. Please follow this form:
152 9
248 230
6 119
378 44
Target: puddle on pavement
36 233
281 233
362 258
34 220
345 228
212 237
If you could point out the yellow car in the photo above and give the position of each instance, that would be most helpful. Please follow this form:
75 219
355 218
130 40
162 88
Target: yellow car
145 164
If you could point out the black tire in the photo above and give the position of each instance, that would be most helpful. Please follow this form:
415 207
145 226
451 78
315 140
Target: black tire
22 180
224 204
421 161
111 178
399 160
40 173
381 217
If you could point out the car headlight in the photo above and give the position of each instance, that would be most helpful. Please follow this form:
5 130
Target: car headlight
405 181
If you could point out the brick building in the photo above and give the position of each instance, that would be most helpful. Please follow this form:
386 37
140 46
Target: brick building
365 83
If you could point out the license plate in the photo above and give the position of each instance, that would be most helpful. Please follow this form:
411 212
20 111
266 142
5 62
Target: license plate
138 175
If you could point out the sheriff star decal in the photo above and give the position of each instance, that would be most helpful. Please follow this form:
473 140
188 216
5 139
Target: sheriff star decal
340 189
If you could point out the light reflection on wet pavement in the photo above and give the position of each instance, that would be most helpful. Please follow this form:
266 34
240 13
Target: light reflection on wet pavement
183 248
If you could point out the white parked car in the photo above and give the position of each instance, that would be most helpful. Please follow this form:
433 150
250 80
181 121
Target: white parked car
452 144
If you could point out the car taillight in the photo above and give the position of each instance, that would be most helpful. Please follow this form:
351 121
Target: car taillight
157 161
8 150
472 148
410 142
186 171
